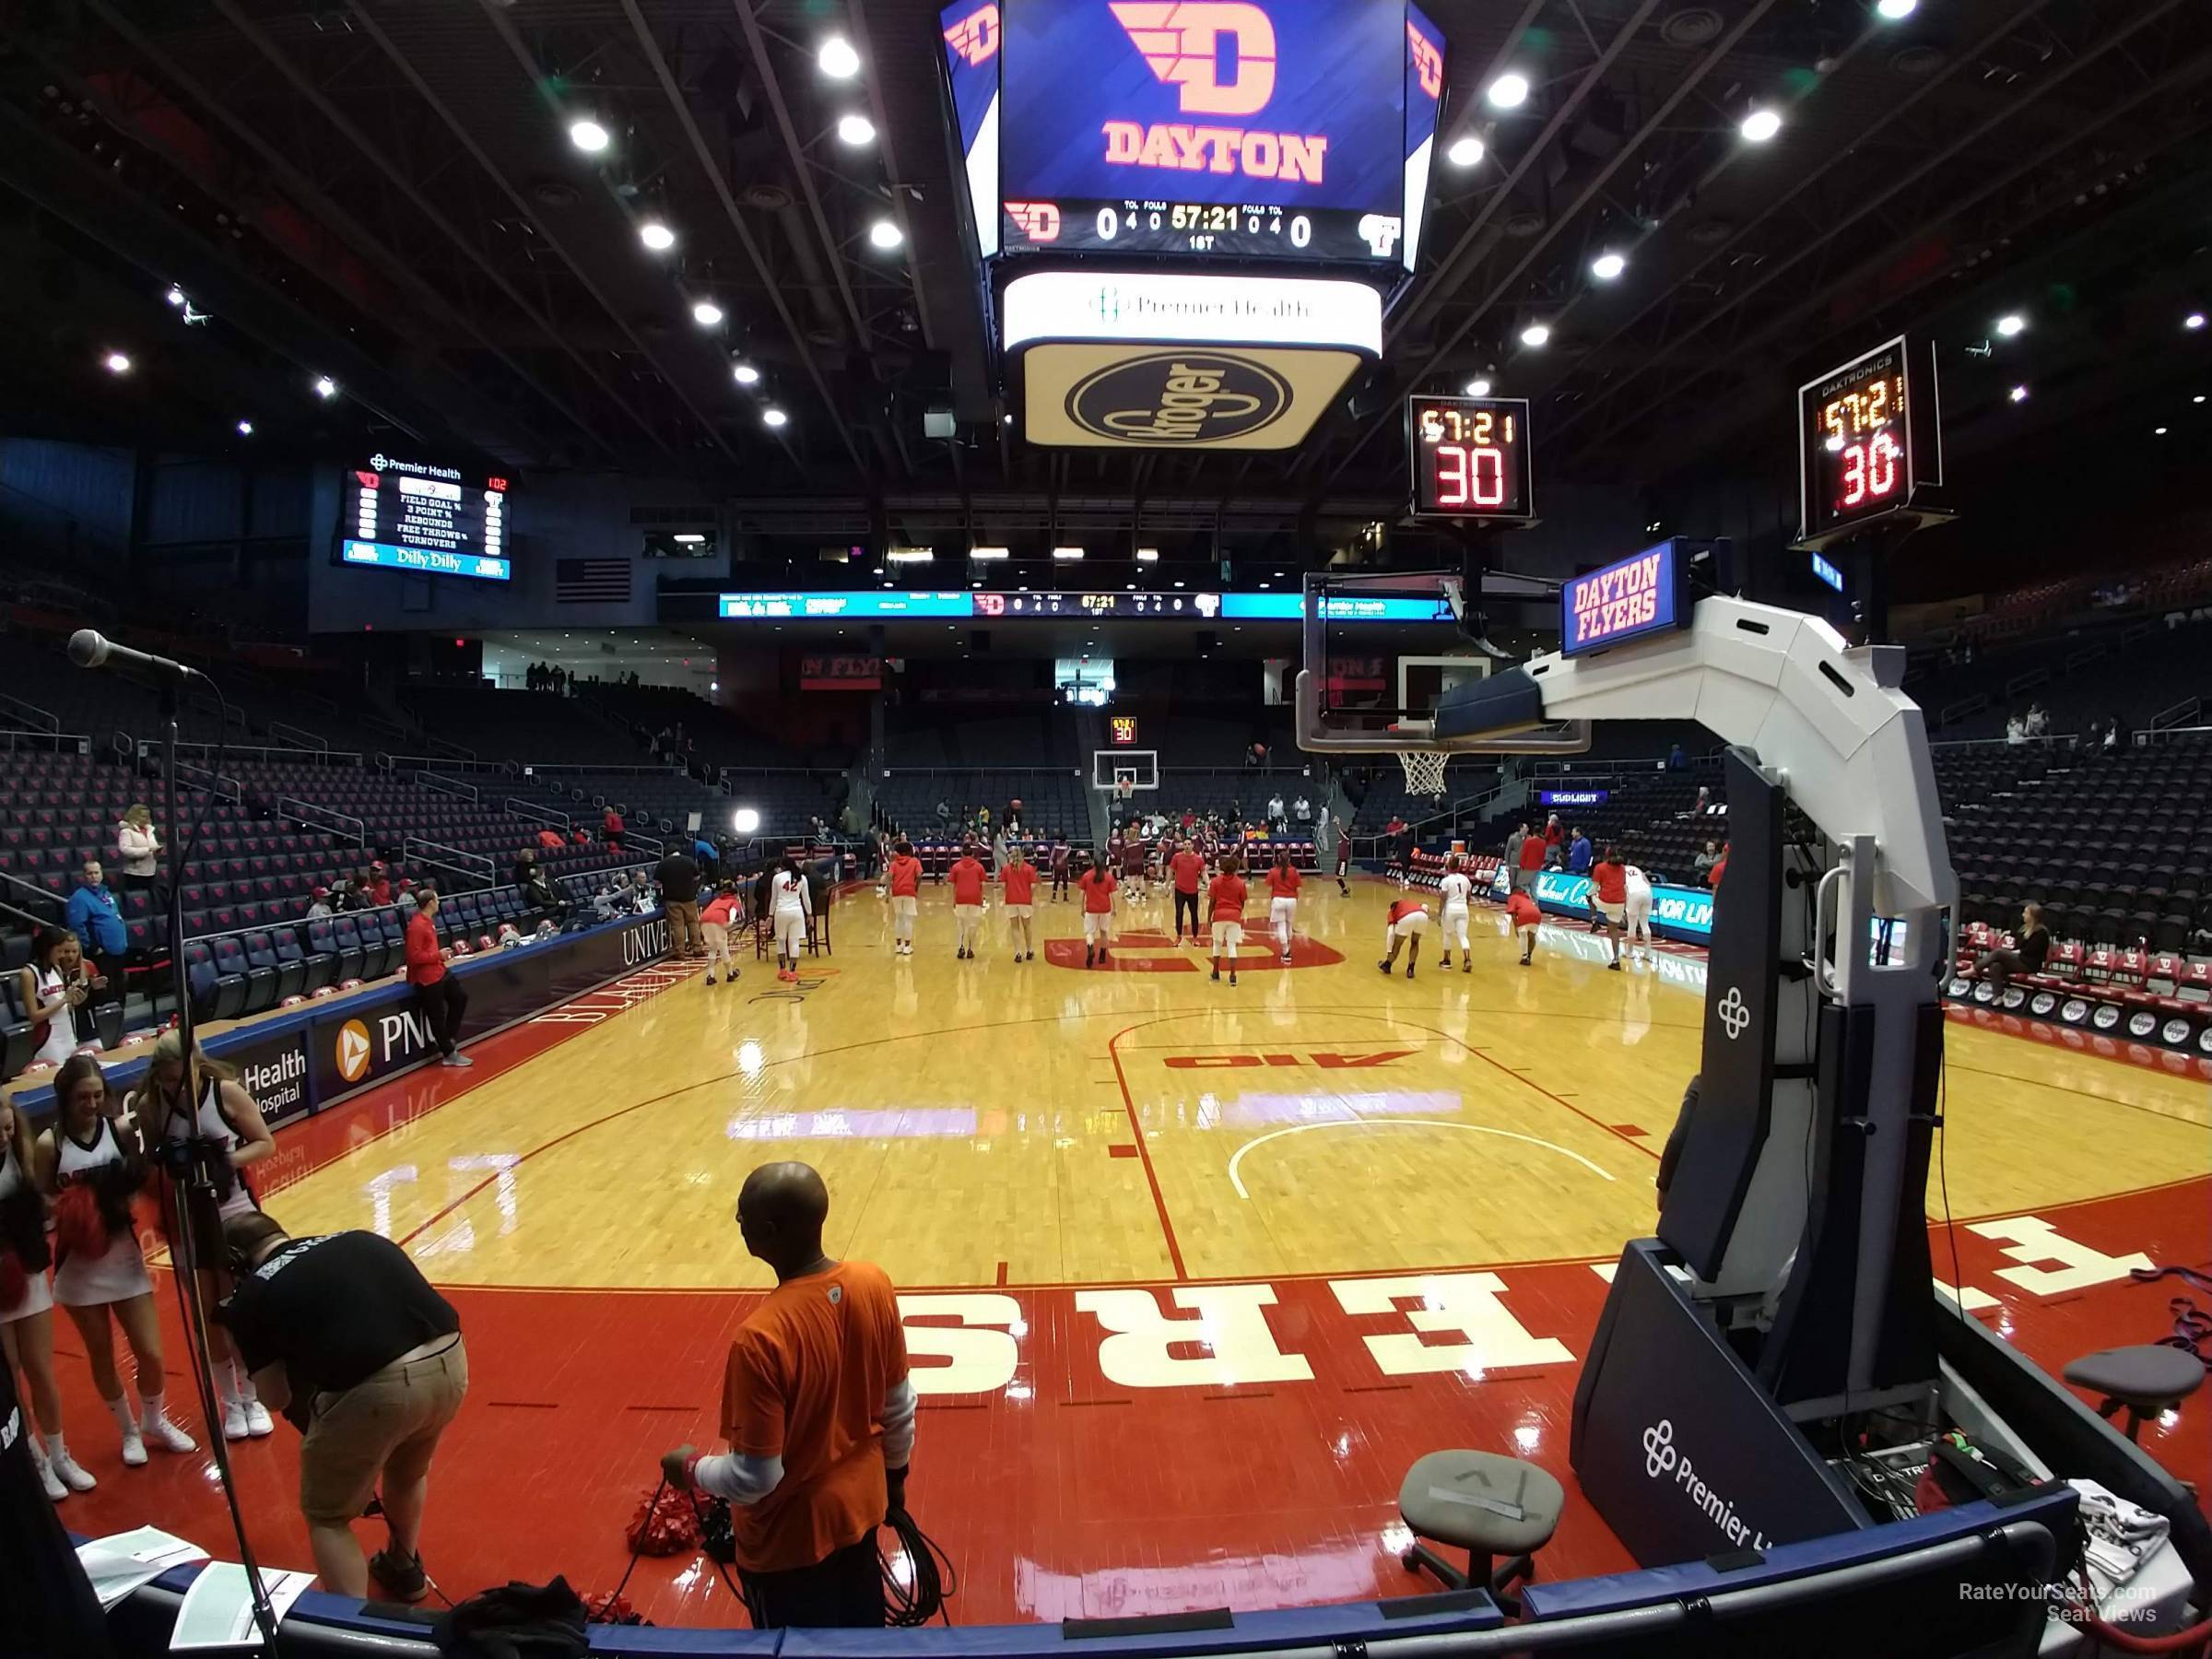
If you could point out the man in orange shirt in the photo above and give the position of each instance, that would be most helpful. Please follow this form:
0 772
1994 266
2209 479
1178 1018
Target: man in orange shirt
967 877
904 874
1188 869
1019 879
1097 884
819 1412
1283 882
1226 895
437 995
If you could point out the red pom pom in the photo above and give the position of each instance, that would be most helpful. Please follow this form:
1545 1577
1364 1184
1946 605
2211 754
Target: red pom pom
77 1229
668 1525
606 1607
13 1281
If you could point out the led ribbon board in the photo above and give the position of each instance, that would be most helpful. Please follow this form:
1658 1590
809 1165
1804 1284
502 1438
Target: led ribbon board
846 605
1645 593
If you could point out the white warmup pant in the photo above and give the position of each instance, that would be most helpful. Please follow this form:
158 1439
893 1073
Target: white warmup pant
1282 917
1411 926
791 933
1456 926
718 944
1639 922
903 907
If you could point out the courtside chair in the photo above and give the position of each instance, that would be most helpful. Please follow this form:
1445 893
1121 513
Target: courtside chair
1490 1506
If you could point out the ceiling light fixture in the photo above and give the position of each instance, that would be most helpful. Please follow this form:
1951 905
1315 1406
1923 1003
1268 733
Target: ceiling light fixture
1895 11
837 58
1508 91
855 130
1466 151
175 296
245 428
746 374
707 314
911 555
1606 267
2019 395
1147 556
2194 319
884 233
1477 387
1759 125
989 555
657 235
325 387
116 362
1535 333
588 136
774 416
2010 324
1067 555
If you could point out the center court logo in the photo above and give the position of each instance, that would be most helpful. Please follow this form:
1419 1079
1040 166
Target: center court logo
352 1051
1663 1459
1734 1013
1173 398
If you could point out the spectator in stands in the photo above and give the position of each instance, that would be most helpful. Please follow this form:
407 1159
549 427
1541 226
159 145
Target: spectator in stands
95 916
611 899
2030 948
1676 760
1719 868
611 825
1277 821
406 900
549 839
2016 730
379 884
1704 861
1013 816
819 1413
677 874
318 904
1581 855
364 893
1406 838
55 990
2038 722
1554 833
640 890
1302 809
139 847
437 994
708 855
538 893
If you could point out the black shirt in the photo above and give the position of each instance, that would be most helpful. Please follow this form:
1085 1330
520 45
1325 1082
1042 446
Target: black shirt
335 1310
678 879
2035 949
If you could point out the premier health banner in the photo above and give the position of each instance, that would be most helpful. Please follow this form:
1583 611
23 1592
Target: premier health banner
1678 913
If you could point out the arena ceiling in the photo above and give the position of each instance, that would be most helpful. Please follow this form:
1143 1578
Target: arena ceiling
384 192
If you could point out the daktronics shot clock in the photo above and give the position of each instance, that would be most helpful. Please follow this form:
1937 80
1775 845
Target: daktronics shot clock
1253 128
1470 457
1867 439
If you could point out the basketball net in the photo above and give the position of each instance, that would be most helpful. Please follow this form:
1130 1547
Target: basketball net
1423 770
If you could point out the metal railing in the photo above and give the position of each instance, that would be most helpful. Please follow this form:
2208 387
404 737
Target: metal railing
319 816
444 763
75 743
2182 713
475 867
221 785
529 809
267 754
29 713
11 882
459 750
306 739
1958 711
428 780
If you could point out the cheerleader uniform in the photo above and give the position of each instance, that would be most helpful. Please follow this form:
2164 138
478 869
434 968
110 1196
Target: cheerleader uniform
16 1192
207 1124
61 1039
117 1273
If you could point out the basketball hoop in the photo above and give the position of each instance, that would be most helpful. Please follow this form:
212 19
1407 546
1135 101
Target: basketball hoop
1423 770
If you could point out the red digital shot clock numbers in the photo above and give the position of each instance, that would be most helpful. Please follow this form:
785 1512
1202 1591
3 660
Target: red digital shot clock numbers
1470 457
1867 439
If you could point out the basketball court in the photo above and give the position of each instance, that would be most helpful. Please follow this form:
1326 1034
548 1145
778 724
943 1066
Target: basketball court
1190 1274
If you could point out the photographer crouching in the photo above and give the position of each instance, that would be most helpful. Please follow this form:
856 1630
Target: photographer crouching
345 1336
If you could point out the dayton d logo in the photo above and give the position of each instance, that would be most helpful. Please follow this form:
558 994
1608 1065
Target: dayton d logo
975 36
1171 398
1183 44
353 1050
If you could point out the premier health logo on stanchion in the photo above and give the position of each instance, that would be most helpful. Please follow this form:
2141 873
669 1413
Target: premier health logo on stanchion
1660 1459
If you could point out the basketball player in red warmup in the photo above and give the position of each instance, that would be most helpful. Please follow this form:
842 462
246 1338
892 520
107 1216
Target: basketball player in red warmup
1226 895
1188 869
1097 885
1609 899
1520 909
906 897
1019 880
1407 921
967 877
1283 882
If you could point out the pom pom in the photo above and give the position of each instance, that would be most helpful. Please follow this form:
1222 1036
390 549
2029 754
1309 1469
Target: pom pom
608 1608
78 1227
664 1527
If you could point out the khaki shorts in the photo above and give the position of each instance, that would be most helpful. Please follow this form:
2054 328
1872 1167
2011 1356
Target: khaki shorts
379 1434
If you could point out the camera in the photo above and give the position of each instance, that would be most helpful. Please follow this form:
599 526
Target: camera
195 1161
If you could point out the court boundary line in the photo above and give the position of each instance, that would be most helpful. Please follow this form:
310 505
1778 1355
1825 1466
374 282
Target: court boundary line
1356 1121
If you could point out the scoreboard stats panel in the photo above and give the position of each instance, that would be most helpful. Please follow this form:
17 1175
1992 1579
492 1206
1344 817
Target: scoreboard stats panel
1470 457
1276 129
423 517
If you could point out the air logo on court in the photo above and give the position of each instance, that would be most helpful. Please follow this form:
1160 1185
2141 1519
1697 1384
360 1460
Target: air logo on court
1326 1060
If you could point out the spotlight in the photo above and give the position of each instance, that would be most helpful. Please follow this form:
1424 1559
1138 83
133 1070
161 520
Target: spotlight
837 58
2198 398
855 130
2010 324
2158 431
116 362
745 375
1464 152
2019 395
1147 556
1535 333
1607 266
245 428
990 554
176 297
1508 91
2194 319
1895 11
325 387
1759 125
587 136
1477 387
657 235
883 233
745 820
707 314
1067 554
774 416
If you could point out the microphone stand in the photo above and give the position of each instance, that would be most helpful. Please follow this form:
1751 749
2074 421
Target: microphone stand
195 1201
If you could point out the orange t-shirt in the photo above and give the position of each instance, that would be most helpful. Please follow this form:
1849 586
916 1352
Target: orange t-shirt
1020 882
1283 881
1098 891
805 1382
1188 867
967 879
1228 895
1612 882
906 877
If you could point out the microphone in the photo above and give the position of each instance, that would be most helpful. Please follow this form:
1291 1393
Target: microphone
90 649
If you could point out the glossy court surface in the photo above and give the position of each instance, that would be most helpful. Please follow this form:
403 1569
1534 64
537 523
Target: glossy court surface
1190 1274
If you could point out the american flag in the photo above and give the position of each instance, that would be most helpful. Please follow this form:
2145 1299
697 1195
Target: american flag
591 581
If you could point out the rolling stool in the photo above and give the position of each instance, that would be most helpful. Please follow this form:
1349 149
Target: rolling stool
2146 1380
1488 1506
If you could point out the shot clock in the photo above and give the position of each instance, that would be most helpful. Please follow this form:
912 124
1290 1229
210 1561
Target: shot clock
1470 457
1867 439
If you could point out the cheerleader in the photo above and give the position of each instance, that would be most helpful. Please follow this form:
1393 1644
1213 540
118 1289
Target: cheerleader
90 1167
27 1304
789 906
724 911
215 1107
56 986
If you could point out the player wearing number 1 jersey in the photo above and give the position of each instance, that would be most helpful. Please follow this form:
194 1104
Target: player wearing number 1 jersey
1455 890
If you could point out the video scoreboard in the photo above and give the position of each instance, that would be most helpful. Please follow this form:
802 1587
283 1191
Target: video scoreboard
422 516
1470 457
1276 129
